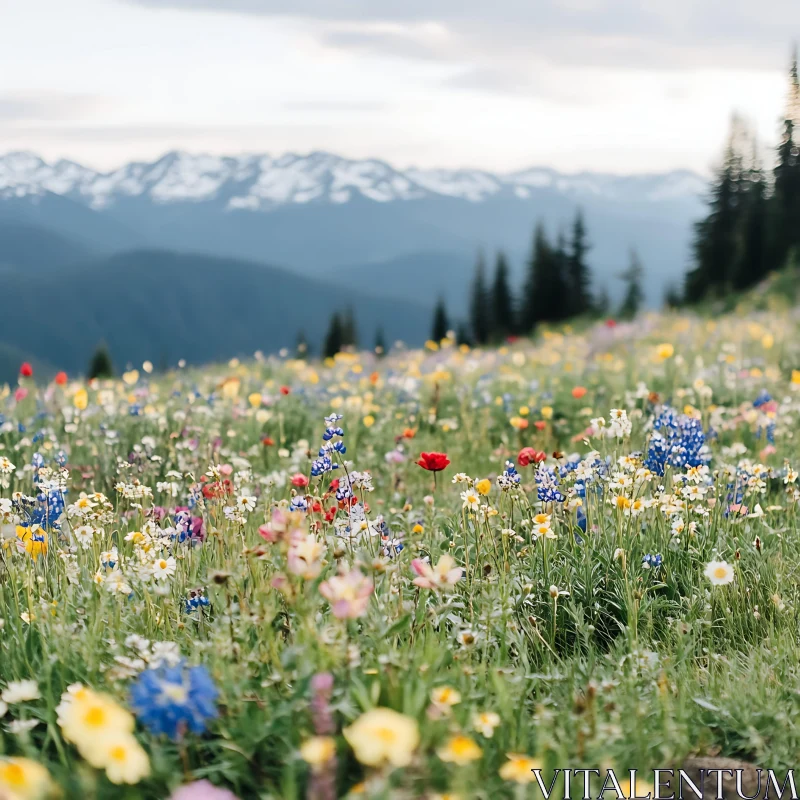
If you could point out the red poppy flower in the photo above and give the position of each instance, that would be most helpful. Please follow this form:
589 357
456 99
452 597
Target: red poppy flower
299 480
578 392
285 390
528 455
26 370
433 462
61 378
611 323
540 424
267 441
334 484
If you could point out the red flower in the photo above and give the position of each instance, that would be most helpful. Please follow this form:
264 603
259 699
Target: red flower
611 323
530 456
540 424
267 441
433 462
26 370
285 390
299 480
218 489
61 378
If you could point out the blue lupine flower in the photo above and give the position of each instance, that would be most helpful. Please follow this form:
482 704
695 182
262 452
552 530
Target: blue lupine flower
547 485
172 700
197 599
763 398
677 441
299 504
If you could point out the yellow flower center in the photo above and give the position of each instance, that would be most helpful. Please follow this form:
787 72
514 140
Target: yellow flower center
95 717
117 753
720 572
386 735
14 775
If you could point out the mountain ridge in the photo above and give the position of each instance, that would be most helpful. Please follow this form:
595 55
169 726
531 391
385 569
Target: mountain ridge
263 182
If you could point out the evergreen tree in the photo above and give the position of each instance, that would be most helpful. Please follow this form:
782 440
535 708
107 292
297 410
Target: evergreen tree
100 365
534 307
715 241
334 339
632 276
380 343
751 261
546 297
441 325
786 197
349 330
502 302
479 311
558 284
579 274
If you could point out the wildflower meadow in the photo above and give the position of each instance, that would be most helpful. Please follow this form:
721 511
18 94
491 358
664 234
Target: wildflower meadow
422 574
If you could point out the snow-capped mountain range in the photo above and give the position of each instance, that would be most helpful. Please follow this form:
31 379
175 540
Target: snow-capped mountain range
263 182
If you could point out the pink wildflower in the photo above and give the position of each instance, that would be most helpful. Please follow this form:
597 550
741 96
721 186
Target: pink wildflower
441 577
348 594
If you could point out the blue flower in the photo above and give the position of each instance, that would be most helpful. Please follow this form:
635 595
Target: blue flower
547 485
650 560
172 700
299 504
677 441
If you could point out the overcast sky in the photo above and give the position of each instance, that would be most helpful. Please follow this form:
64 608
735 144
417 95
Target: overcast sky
612 85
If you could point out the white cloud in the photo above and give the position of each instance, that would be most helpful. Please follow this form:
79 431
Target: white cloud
628 85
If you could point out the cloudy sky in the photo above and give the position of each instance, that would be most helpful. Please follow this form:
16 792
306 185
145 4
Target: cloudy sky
614 85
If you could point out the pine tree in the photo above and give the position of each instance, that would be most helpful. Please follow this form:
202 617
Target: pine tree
100 365
441 325
558 285
632 276
334 340
534 306
579 274
502 302
786 197
349 330
479 311
751 261
380 343
715 240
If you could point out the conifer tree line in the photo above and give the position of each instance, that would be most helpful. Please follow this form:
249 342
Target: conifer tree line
557 287
753 222
342 333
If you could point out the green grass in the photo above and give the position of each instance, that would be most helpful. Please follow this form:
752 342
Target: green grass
627 667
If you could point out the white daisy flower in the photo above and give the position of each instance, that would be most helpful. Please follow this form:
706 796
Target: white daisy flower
719 573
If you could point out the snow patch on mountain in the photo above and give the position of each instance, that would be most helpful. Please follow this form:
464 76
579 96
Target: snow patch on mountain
261 182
